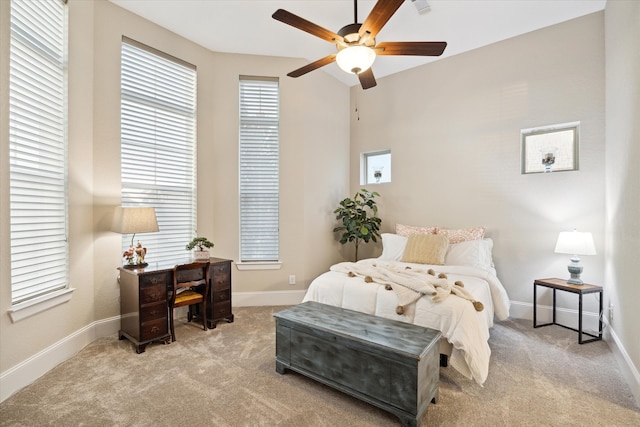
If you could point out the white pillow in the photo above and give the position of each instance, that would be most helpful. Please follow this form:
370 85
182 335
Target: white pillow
392 247
475 253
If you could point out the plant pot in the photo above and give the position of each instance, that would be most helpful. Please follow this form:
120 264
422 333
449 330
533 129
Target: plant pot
201 255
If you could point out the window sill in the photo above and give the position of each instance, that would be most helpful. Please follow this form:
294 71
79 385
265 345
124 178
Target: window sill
274 265
37 305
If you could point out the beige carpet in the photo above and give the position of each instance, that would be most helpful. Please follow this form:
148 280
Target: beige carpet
226 377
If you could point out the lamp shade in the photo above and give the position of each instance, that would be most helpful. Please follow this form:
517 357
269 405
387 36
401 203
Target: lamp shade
575 243
132 220
355 59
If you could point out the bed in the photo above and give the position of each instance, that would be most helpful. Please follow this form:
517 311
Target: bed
443 261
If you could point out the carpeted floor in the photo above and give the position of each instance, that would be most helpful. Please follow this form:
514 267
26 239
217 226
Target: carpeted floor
226 377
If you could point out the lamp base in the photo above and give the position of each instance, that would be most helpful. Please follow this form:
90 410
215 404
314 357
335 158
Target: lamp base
134 266
575 269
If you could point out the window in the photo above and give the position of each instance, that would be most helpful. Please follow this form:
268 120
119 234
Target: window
550 148
158 148
376 167
37 150
259 170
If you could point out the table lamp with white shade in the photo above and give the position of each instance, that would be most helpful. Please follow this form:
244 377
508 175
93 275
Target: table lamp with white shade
575 243
132 220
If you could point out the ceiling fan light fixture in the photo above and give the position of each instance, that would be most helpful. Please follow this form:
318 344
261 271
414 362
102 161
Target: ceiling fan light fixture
356 59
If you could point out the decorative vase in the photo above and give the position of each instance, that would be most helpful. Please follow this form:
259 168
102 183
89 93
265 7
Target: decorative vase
201 254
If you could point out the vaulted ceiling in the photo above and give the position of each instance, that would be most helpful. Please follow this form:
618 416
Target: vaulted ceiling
246 26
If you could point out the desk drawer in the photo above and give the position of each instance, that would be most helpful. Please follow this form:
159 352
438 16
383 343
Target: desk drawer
153 329
156 278
221 276
221 309
153 311
221 296
151 293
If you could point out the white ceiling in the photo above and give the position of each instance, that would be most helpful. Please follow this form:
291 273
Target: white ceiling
246 26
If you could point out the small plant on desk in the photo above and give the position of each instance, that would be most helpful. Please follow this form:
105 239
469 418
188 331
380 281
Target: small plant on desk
202 244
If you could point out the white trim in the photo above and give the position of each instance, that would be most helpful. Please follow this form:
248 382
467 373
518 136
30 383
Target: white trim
259 266
559 126
34 367
564 316
524 310
255 299
33 306
627 369
29 370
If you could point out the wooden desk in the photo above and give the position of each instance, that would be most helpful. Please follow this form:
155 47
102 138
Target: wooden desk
562 285
144 313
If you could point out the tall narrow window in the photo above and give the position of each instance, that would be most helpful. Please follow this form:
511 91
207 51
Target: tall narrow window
37 149
259 170
158 148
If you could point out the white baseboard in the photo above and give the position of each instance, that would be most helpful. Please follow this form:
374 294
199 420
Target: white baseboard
628 370
255 299
31 369
564 316
26 372
524 310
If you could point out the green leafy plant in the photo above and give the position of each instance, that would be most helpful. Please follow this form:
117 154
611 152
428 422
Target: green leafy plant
200 243
359 219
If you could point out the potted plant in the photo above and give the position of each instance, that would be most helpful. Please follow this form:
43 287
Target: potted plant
359 220
201 244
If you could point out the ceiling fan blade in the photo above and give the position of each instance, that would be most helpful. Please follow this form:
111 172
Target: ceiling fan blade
304 25
367 80
380 14
313 66
411 48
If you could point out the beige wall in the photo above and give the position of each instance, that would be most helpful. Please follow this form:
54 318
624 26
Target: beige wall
314 169
622 32
453 127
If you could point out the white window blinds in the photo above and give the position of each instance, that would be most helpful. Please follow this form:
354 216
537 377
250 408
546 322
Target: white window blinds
37 148
259 170
158 148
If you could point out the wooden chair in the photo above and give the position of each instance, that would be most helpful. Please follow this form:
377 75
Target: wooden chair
191 283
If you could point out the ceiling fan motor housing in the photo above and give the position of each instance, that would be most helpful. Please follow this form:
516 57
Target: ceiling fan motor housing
351 36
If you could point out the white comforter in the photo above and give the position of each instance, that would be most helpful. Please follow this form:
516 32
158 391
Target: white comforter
464 327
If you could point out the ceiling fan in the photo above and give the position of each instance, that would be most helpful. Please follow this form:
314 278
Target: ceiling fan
356 43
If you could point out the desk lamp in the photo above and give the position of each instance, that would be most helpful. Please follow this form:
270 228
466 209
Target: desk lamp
132 220
575 243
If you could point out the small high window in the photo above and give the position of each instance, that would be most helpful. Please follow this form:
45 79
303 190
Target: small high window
376 167
550 148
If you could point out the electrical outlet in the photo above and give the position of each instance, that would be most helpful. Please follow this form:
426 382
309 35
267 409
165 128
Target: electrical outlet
611 314
292 279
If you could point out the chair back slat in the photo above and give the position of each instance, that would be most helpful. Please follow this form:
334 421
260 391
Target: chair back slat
190 276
